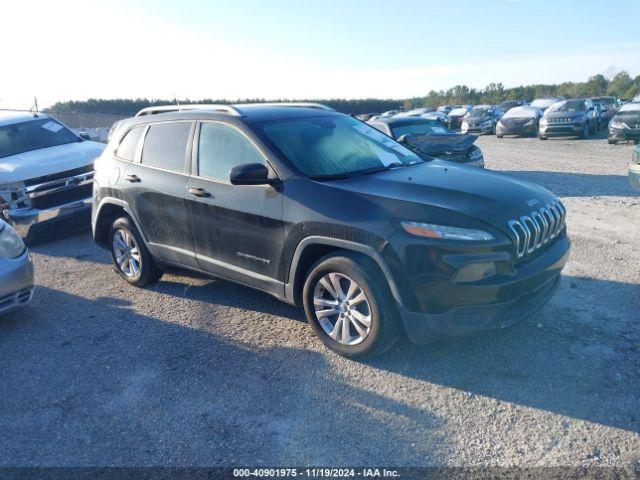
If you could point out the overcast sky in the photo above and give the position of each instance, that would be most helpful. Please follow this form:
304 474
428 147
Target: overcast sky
67 49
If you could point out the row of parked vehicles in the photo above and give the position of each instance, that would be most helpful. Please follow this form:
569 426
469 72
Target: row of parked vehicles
364 225
544 118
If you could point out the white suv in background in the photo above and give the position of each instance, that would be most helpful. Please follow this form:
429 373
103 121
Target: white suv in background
46 173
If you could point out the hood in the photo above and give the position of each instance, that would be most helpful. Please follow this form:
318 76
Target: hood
478 118
491 197
47 161
516 121
432 143
630 118
457 115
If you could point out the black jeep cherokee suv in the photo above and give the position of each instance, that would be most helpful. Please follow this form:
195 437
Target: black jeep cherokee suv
322 210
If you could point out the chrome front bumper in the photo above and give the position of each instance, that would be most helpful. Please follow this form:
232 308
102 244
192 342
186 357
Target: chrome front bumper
24 219
16 282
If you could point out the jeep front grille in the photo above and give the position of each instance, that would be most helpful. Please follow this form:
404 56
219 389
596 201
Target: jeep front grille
537 229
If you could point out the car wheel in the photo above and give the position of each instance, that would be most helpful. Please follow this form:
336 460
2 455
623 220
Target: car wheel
348 304
498 135
585 131
493 129
130 256
610 141
541 137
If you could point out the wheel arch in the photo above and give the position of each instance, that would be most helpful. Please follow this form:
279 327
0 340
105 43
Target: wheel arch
107 212
310 249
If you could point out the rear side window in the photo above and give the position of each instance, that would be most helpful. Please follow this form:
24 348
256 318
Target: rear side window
165 145
221 148
129 144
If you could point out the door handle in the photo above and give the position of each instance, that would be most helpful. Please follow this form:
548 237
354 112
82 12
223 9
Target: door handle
133 178
199 192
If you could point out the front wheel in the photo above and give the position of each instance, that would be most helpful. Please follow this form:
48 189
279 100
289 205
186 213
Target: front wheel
585 132
348 304
130 256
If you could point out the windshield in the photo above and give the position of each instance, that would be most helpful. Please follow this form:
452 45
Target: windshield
423 128
479 112
604 100
630 107
335 146
520 112
33 135
543 102
458 111
568 106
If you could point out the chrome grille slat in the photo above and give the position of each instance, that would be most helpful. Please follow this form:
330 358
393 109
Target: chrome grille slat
537 229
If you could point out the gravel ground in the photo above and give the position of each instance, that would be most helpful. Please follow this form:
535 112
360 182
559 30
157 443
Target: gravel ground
196 371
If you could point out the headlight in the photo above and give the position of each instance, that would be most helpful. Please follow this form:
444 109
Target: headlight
543 121
475 154
500 124
530 122
487 123
617 124
443 232
11 245
579 119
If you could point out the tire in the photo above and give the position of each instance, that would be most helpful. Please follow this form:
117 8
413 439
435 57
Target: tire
498 135
585 132
611 141
140 270
542 137
376 305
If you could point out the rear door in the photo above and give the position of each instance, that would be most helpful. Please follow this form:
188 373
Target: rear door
237 229
155 190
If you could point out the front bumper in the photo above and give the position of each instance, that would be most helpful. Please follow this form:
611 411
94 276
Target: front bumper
16 282
523 130
477 129
622 134
634 175
30 221
561 129
513 298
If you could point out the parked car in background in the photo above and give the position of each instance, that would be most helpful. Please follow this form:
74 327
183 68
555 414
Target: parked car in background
365 116
298 203
574 118
416 112
481 119
456 116
545 102
625 125
441 117
634 168
430 137
390 113
520 121
444 108
16 270
46 173
509 104
608 106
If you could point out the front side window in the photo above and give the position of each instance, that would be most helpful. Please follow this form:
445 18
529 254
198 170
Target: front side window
335 145
129 144
165 145
34 135
222 147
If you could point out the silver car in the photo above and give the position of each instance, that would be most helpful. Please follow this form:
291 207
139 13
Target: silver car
16 270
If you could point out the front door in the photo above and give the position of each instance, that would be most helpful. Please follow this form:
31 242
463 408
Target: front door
237 229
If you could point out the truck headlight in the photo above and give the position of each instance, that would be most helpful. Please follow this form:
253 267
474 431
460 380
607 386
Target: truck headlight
11 245
430 230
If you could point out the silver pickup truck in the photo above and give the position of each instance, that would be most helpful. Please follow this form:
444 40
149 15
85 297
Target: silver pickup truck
46 173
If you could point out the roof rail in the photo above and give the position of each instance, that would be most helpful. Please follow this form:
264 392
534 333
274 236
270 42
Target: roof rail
193 106
317 106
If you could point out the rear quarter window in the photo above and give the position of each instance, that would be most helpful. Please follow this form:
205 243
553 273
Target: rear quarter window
165 145
129 144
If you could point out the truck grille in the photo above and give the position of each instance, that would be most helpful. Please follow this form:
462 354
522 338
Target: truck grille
61 188
537 229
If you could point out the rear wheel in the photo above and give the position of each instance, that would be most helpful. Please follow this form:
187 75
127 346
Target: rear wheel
130 256
349 306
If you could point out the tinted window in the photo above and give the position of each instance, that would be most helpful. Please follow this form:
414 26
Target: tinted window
129 143
221 148
34 135
165 145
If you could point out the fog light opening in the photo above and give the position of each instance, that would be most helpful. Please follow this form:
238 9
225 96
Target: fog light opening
475 272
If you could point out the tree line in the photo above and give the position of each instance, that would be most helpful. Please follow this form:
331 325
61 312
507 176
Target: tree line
622 85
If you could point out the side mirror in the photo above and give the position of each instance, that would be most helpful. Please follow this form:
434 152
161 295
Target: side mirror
84 136
250 174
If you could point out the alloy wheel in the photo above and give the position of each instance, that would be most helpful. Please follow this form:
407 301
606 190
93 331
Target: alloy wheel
126 253
342 309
